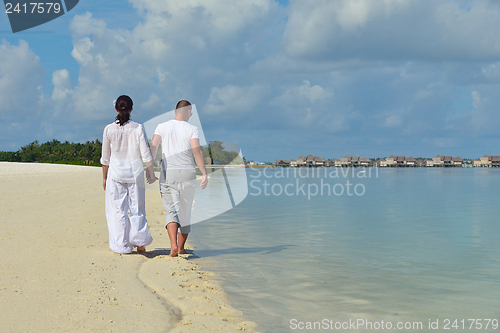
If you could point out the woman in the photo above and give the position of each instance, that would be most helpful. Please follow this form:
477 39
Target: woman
123 146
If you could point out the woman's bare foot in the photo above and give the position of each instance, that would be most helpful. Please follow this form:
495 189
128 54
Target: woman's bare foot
182 251
173 252
141 249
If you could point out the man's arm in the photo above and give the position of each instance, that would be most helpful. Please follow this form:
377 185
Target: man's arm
154 145
155 142
198 157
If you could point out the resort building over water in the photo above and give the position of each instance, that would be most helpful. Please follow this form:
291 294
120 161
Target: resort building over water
487 161
392 161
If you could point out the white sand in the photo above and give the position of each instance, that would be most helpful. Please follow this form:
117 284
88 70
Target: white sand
58 273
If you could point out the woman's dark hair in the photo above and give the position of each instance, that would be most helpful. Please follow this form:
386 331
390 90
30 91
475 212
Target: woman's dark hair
123 105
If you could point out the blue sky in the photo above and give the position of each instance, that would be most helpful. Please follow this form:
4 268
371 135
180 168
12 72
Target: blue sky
280 79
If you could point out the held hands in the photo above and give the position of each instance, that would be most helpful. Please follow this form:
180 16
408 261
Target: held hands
151 178
204 182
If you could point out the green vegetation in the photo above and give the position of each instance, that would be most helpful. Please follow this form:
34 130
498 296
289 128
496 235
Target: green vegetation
222 155
88 153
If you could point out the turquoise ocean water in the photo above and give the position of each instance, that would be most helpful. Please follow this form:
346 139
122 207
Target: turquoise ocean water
413 248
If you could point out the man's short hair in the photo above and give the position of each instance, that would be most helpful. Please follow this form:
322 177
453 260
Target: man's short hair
182 104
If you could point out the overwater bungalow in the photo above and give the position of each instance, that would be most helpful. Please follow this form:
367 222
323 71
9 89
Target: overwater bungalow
309 160
354 161
392 161
487 161
388 162
495 161
410 161
318 161
281 163
301 161
344 161
365 162
446 161
437 161
400 161
420 162
457 161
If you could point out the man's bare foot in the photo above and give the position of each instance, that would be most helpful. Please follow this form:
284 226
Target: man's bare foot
141 249
182 251
173 252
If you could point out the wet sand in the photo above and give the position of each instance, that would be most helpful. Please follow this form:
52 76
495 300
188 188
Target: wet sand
58 273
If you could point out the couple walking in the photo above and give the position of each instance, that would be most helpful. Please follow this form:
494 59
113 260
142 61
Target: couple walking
124 148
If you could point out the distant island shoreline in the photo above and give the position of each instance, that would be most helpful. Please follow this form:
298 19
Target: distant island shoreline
440 161
89 153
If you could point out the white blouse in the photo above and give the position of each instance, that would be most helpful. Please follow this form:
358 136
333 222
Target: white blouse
123 147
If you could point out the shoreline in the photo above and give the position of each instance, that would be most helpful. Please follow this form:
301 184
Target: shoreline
60 275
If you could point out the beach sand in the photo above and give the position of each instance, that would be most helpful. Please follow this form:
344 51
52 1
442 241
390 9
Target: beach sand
59 275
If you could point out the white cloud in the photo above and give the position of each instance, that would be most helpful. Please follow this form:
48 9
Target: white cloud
309 106
21 77
329 31
200 23
443 142
62 84
153 103
422 94
230 100
476 97
81 51
303 95
166 55
366 68
392 121
491 72
82 25
484 118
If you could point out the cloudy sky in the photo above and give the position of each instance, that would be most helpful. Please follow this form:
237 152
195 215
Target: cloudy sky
279 78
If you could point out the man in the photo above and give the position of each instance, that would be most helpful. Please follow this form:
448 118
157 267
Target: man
180 142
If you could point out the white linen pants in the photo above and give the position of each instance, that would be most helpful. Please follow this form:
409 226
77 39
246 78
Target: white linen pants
126 215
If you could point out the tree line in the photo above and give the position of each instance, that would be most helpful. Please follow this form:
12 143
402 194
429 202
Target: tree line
222 153
89 153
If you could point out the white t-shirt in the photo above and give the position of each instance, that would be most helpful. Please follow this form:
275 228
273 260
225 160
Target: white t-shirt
176 138
123 147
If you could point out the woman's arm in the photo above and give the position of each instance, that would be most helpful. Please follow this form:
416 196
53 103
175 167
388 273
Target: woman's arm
150 173
105 169
105 157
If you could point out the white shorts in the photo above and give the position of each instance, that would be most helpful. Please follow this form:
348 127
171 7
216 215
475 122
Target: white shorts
177 194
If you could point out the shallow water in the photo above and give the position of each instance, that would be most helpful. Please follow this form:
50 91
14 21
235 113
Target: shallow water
408 246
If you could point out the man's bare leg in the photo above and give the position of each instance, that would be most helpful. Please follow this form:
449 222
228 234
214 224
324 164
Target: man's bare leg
182 240
172 234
